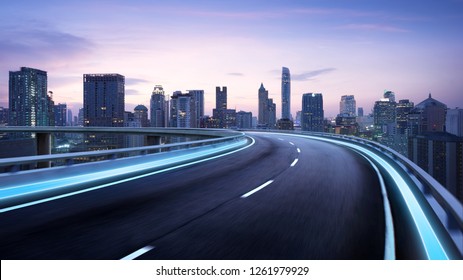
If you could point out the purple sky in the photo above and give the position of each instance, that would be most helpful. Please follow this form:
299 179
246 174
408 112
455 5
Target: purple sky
358 47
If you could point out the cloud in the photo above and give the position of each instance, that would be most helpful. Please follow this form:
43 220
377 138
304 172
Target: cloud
306 76
372 27
131 92
236 74
134 81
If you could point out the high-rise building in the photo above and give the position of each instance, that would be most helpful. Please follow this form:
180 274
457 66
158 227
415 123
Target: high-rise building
312 112
427 116
360 112
454 122
403 109
182 110
285 94
60 114
441 155
347 106
221 98
244 120
272 113
141 115
70 121
198 97
263 105
4 112
104 97
29 104
158 107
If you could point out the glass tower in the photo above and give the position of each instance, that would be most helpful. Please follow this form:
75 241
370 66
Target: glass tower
285 94
312 112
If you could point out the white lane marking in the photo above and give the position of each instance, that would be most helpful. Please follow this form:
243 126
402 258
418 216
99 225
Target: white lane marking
138 253
298 150
281 139
257 189
291 143
294 162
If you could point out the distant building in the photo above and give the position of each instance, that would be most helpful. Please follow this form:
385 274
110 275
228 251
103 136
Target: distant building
360 112
104 97
267 109
285 124
346 124
347 106
182 110
389 95
60 111
4 112
244 120
226 117
384 115
312 112
198 97
221 98
400 138
158 107
141 115
427 116
453 122
29 103
285 94
70 119
297 122
441 155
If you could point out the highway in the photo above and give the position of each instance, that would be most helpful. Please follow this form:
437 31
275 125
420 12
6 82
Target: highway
285 197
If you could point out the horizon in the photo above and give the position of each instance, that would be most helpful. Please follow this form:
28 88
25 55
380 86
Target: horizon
357 48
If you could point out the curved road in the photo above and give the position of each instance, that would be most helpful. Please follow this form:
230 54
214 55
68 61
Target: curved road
285 197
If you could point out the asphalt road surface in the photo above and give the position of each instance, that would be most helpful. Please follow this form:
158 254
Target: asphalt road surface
285 197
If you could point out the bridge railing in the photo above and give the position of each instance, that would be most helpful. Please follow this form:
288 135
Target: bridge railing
13 164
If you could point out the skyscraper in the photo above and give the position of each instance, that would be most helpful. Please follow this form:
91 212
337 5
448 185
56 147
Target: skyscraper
29 104
453 122
140 113
285 94
347 106
263 106
182 110
427 116
244 119
158 107
221 98
312 112
104 96
198 97
60 114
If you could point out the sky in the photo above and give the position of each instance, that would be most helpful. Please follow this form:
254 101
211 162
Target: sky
358 47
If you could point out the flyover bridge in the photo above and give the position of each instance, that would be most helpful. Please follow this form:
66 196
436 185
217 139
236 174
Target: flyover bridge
233 195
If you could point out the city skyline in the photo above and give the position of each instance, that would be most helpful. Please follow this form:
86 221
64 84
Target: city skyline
359 49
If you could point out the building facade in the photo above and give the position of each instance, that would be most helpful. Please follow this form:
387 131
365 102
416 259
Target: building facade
312 112
347 106
158 107
29 103
285 94
454 122
60 111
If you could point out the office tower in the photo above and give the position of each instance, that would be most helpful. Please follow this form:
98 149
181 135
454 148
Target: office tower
403 109
297 122
29 104
226 117
69 118
263 105
267 109
384 114
441 155
360 112
104 97
221 98
389 95
60 114
198 97
427 116
347 106
244 120
158 107
312 112
182 110
104 100
4 112
141 115
453 122
285 94
80 117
